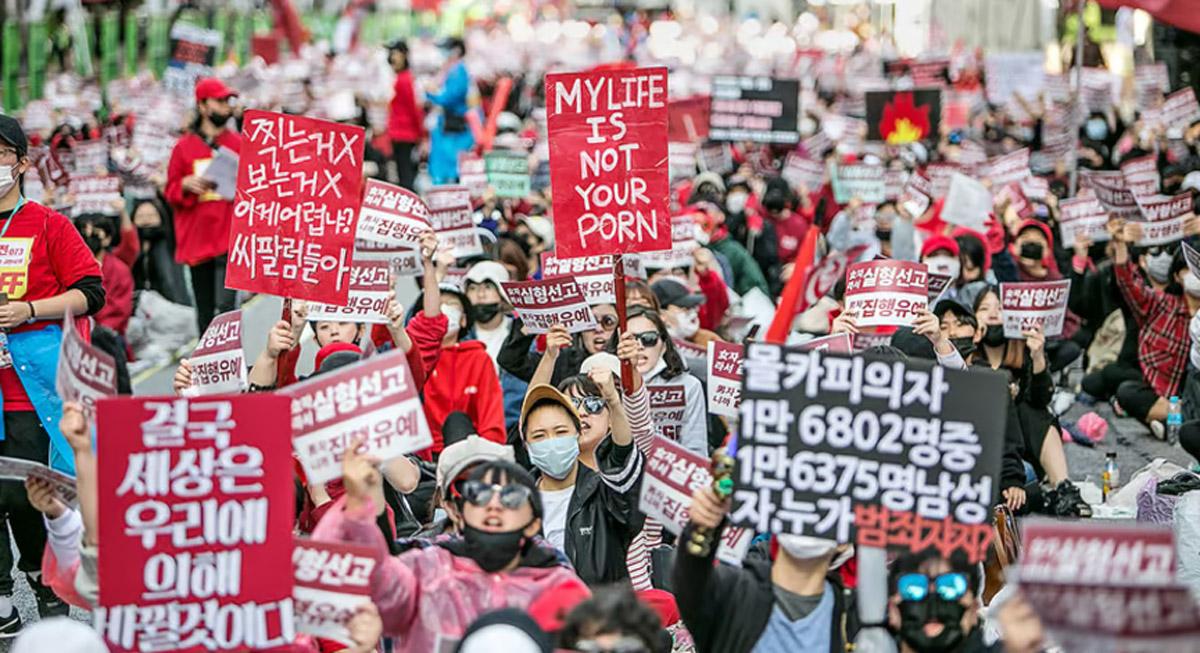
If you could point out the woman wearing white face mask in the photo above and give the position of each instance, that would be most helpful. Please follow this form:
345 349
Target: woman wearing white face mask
679 312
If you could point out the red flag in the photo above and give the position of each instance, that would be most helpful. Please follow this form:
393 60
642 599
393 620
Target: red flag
1180 13
785 313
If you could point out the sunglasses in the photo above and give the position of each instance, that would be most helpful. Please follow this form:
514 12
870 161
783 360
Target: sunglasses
1160 249
915 587
607 322
647 338
512 496
589 405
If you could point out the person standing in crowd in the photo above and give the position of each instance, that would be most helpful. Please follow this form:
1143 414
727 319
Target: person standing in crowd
202 217
452 134
60 275
406 121
155 267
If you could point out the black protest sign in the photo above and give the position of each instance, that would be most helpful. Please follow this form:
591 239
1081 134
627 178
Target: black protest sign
756 109
903 454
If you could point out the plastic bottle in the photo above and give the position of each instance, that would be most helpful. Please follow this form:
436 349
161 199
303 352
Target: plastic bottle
1111 475
1174 421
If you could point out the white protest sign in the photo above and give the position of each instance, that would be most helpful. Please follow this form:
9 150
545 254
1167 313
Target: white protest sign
1042 303
724 378
1084 216
1179 110
370 283
886 292
542 304
1013 73
85 373
864 181
917 193
19 469
667 405
1013 167
391 215
799 170
452 217
968 203
594 274
1141 175
219 362
1164 217
332 581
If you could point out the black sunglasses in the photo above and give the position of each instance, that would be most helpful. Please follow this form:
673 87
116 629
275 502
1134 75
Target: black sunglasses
512 496
647 338
589 405
607 322
1156 250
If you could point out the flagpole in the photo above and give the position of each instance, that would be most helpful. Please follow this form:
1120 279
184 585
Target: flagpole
1078 65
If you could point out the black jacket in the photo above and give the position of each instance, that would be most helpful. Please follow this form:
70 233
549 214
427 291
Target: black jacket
518 358
726 609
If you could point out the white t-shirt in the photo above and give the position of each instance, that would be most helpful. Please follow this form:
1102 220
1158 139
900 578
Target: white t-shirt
494 340
554 523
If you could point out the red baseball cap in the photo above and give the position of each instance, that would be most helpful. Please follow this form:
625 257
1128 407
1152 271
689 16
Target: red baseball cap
212 88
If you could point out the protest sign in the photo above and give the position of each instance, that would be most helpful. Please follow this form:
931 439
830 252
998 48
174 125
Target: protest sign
1150 81
682 157
1036 188
1193 259
899 117
196 530
553 300
193 55
1096 552
1040 303
401 261
687 119
454 277
861 180
1011 195
19 469
690 351
222 171
85 373
1084 216
1013 73
724 378
909 73
825 274
472 173
755 109
1164 216
940 175
716 157
894 182
94 194
1010 168
1179 110
375 399
507 173
917 194
608 147
391 215
838 343
218 362
370 284
452 217
332 580
968 203
1141 175
886 292
802 171
877 452
91 158
667 405
594 274
298 191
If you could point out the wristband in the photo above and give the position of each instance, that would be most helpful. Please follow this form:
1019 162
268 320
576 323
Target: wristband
32 312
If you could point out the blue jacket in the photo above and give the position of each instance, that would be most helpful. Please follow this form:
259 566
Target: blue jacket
35 359
444 146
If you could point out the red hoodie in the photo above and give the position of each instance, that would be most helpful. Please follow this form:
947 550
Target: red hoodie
465 379
406 123
202 222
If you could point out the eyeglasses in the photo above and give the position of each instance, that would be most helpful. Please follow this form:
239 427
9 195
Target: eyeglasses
624 645
915 587
9 155
512 496
647 338
589 405
608 322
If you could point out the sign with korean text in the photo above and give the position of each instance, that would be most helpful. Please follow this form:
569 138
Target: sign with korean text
940 175
508 173
94 194
1112 192
1164 217
594 274
1179 110
85 374
1012 195
472 173
803 171
1150 81
219 362
1039 303
716 157
1013 73
391 215
553 300
724 378
196 531
682 158
838 343
756 109
401 261
887 453
917 194
375 399
193 55
91 158
1084 216
298 190
19 469
1141 175
862 180
886 292
1012 167
894 182
370 284
608 161
667 405
452 217
333 580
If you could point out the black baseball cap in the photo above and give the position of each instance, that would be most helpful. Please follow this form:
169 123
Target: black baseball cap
12 134
673 292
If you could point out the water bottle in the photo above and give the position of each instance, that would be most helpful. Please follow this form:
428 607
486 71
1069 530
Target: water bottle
1112 474
1174 421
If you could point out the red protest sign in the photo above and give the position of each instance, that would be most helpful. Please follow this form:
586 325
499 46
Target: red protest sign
375 399
219 362
687 119
667 405
594 274
392 215
608 156
1083 216
1041 303
195 531
85 373
298 190
1179 110
724 378
887 292
554 300
333 579
370 283
451 215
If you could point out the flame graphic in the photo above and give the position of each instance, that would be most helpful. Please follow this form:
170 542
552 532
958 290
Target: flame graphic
903 122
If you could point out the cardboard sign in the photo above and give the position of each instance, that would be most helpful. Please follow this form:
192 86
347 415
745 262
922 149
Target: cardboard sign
820 450
452 217
1010 168
899 117
755 109
1082 216
94 194
375 398
85 373
838 343
1164 217
508 173
19 469
887 292
553 300
332 581
687 119
1141 175
917 194
724 378
968 203
594 274
1179 110
802 171
608 150
298 191
667 404
472 173
392 215
864 181
219 362
196 530
1041 303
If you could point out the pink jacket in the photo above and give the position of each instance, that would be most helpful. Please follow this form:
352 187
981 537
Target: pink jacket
429 594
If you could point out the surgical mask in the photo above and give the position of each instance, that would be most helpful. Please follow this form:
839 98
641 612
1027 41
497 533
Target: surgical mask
807 126
453 314
7 179
1032 251
485 312
965 346
947 265
1159 267
736 203
1191 285
915 614
803 547
994 335
493 551
1096 129
686 325
555 456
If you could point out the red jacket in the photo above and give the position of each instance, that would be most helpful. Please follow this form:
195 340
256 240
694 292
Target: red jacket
791 232
406 122
118 294
465 379
716 300
202 222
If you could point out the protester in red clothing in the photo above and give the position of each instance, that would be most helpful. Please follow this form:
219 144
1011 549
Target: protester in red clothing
97 231
790 227
202 217
406 121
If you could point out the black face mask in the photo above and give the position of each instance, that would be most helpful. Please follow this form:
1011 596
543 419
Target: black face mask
915 614
965 346
493 551
484 312
994 336
883 236
219 119
1032 251
93 242
152 234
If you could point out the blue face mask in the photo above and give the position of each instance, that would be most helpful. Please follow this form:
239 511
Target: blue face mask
555 456
1097 130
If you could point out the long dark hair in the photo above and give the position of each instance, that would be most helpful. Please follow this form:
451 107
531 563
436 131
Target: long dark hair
670 355
1014 350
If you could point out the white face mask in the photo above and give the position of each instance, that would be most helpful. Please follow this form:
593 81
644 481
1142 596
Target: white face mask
803 547
453 314
7 179
686 325
1191 285
947 265
736 202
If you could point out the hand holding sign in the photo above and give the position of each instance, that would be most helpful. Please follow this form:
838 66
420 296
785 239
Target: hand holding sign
360 474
